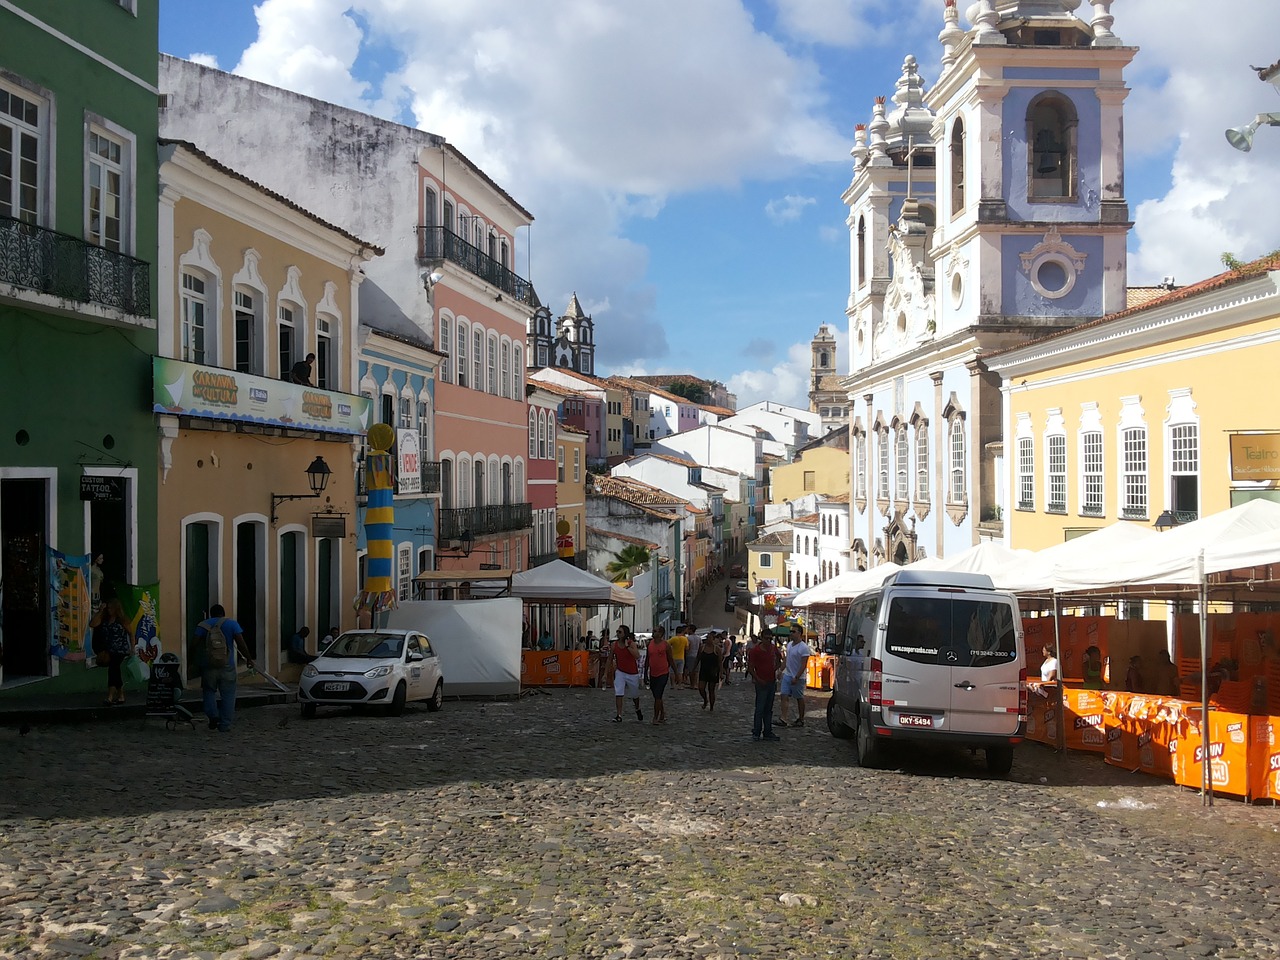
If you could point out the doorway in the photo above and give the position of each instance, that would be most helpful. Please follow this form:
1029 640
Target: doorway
24 603
248 598
109 538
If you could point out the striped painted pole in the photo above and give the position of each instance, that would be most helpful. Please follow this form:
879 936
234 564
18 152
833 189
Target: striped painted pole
379 518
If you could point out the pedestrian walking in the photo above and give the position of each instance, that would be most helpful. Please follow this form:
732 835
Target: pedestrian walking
795 673
679 644
709 659
220 643
111 646
657 668
762 667
626 673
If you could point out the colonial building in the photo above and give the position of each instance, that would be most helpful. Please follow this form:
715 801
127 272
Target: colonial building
245 274
77 288
1151 414
984 212
447 278
569 343
820 466
827 396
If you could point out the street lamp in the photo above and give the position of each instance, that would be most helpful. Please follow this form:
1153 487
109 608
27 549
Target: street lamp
1166 521
317 478
1242 137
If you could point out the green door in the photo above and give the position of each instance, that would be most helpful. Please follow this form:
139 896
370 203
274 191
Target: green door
196 589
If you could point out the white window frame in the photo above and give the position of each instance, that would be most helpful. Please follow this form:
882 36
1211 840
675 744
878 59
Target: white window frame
957 461
125 168
1026 473
1092 452
463 338
882 464
40 135
493 365
577 465
445 346
190 299
922 462
1055 463
477 359
404 571
1180 417
1132 438
902 460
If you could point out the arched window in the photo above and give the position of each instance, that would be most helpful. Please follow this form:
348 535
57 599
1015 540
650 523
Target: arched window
533 434
862 251
957 460
542 435
922 462
463 371
903 459
493 364
477 360
957 166
478 468
1051 148
882 436
506 369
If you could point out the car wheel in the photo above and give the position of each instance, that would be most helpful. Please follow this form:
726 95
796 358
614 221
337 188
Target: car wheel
834 725
870 750
308 711
999 760
397 700
437 697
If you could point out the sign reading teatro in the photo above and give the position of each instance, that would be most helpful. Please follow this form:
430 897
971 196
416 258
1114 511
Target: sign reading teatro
1255 456
211 393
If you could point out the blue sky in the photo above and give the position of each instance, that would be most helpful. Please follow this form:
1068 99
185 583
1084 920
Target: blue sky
684 159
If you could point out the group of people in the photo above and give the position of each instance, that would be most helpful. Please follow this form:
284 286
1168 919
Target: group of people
704 664
1162 679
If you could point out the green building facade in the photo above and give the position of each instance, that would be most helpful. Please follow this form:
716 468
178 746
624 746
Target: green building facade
78 214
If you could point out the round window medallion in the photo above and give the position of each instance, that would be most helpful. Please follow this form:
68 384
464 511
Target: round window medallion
1053 276
957 289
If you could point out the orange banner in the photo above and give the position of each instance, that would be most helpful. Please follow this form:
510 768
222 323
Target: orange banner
554 668
1264 758
1228 753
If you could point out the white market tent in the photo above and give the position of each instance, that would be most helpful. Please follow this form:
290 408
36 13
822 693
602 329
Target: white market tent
985 557
559 583
1036 573
846 586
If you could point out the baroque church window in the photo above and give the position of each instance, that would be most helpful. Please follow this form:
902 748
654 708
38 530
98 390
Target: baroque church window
862 251
1051 148
957 166
957 451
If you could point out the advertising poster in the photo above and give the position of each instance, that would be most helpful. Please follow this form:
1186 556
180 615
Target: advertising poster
69 602
141 604
408 465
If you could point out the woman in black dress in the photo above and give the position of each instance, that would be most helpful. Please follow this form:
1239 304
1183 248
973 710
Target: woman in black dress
709 658
109 626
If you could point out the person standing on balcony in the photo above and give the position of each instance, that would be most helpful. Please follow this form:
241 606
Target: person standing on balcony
301 372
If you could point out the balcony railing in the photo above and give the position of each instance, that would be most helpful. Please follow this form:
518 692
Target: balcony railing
438 243
430 473
61 265
456 521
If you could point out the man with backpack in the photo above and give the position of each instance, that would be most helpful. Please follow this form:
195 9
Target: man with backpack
219 640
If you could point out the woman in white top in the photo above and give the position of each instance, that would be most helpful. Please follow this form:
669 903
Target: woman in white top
1049 669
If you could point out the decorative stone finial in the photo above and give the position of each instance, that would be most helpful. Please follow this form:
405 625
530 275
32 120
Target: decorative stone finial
912 120
984 18
951 34
1101 23
879 127
859 151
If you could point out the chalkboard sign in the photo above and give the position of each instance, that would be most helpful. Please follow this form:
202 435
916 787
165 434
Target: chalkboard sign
164 689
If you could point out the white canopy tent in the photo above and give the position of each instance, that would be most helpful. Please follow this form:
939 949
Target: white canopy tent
985 557
1036 573
559 583
846 586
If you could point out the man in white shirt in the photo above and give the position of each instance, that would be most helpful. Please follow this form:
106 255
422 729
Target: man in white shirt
795 674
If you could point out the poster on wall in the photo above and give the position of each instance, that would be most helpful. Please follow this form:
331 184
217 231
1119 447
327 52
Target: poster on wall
69 605
408 466
141 603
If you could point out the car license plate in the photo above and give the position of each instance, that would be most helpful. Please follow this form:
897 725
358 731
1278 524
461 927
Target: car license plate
915 720
334 686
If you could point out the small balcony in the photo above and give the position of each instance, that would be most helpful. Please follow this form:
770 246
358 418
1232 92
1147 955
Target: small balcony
60 265
437 244
478 521
430 473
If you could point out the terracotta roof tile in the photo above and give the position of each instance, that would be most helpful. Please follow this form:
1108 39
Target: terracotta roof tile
623 537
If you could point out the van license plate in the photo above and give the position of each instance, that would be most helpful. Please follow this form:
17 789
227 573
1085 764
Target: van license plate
915 720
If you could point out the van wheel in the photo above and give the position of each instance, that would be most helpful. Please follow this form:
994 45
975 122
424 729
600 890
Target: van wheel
397 700
834 725
999 760
308 710
870 750
437 697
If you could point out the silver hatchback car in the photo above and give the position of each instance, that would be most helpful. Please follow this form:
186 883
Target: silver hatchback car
373 668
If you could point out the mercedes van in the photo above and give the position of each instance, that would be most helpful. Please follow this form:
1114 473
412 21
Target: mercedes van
932 656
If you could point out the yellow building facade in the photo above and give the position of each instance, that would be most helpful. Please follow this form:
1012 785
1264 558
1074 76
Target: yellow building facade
821 470
249 286
571 486
1156 414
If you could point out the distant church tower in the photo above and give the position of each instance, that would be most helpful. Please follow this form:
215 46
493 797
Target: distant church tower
569 343
826 394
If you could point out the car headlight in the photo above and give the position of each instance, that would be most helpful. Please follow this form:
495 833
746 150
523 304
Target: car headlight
377 672
310 671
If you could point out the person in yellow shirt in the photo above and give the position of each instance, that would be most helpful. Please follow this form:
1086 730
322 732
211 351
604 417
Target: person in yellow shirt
679 647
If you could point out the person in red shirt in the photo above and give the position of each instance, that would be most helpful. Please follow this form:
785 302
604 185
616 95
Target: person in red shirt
626 672
762 667
657 670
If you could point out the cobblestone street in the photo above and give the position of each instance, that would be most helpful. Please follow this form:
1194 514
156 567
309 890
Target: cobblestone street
538 828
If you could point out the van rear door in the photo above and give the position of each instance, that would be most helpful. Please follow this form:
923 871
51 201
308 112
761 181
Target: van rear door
964 662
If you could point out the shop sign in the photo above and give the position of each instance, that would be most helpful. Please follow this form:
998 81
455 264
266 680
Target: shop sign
408 466
102 489
1255 456
211 393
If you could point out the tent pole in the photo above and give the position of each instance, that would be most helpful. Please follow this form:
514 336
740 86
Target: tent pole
1060 733
1206 780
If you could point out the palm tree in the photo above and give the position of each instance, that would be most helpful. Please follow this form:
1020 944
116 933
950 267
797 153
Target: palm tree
626 561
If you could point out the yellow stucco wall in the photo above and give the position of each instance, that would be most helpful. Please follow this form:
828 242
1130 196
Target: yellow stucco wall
830 468
1230 374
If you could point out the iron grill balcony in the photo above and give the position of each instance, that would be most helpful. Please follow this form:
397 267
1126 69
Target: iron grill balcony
500 518
58 264
438 243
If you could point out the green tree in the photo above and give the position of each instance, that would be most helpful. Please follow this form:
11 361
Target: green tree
693 392
626 561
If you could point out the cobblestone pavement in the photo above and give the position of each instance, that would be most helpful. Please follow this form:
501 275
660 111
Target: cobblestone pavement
538 828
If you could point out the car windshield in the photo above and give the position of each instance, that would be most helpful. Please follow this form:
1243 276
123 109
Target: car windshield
366 645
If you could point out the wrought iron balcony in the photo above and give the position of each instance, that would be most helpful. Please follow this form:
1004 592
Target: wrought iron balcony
439 243
61 265
456 521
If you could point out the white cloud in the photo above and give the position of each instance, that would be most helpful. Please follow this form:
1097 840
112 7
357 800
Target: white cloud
308 46
789 380
788 208
205 60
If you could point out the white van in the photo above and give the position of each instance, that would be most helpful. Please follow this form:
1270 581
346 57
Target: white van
932 656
